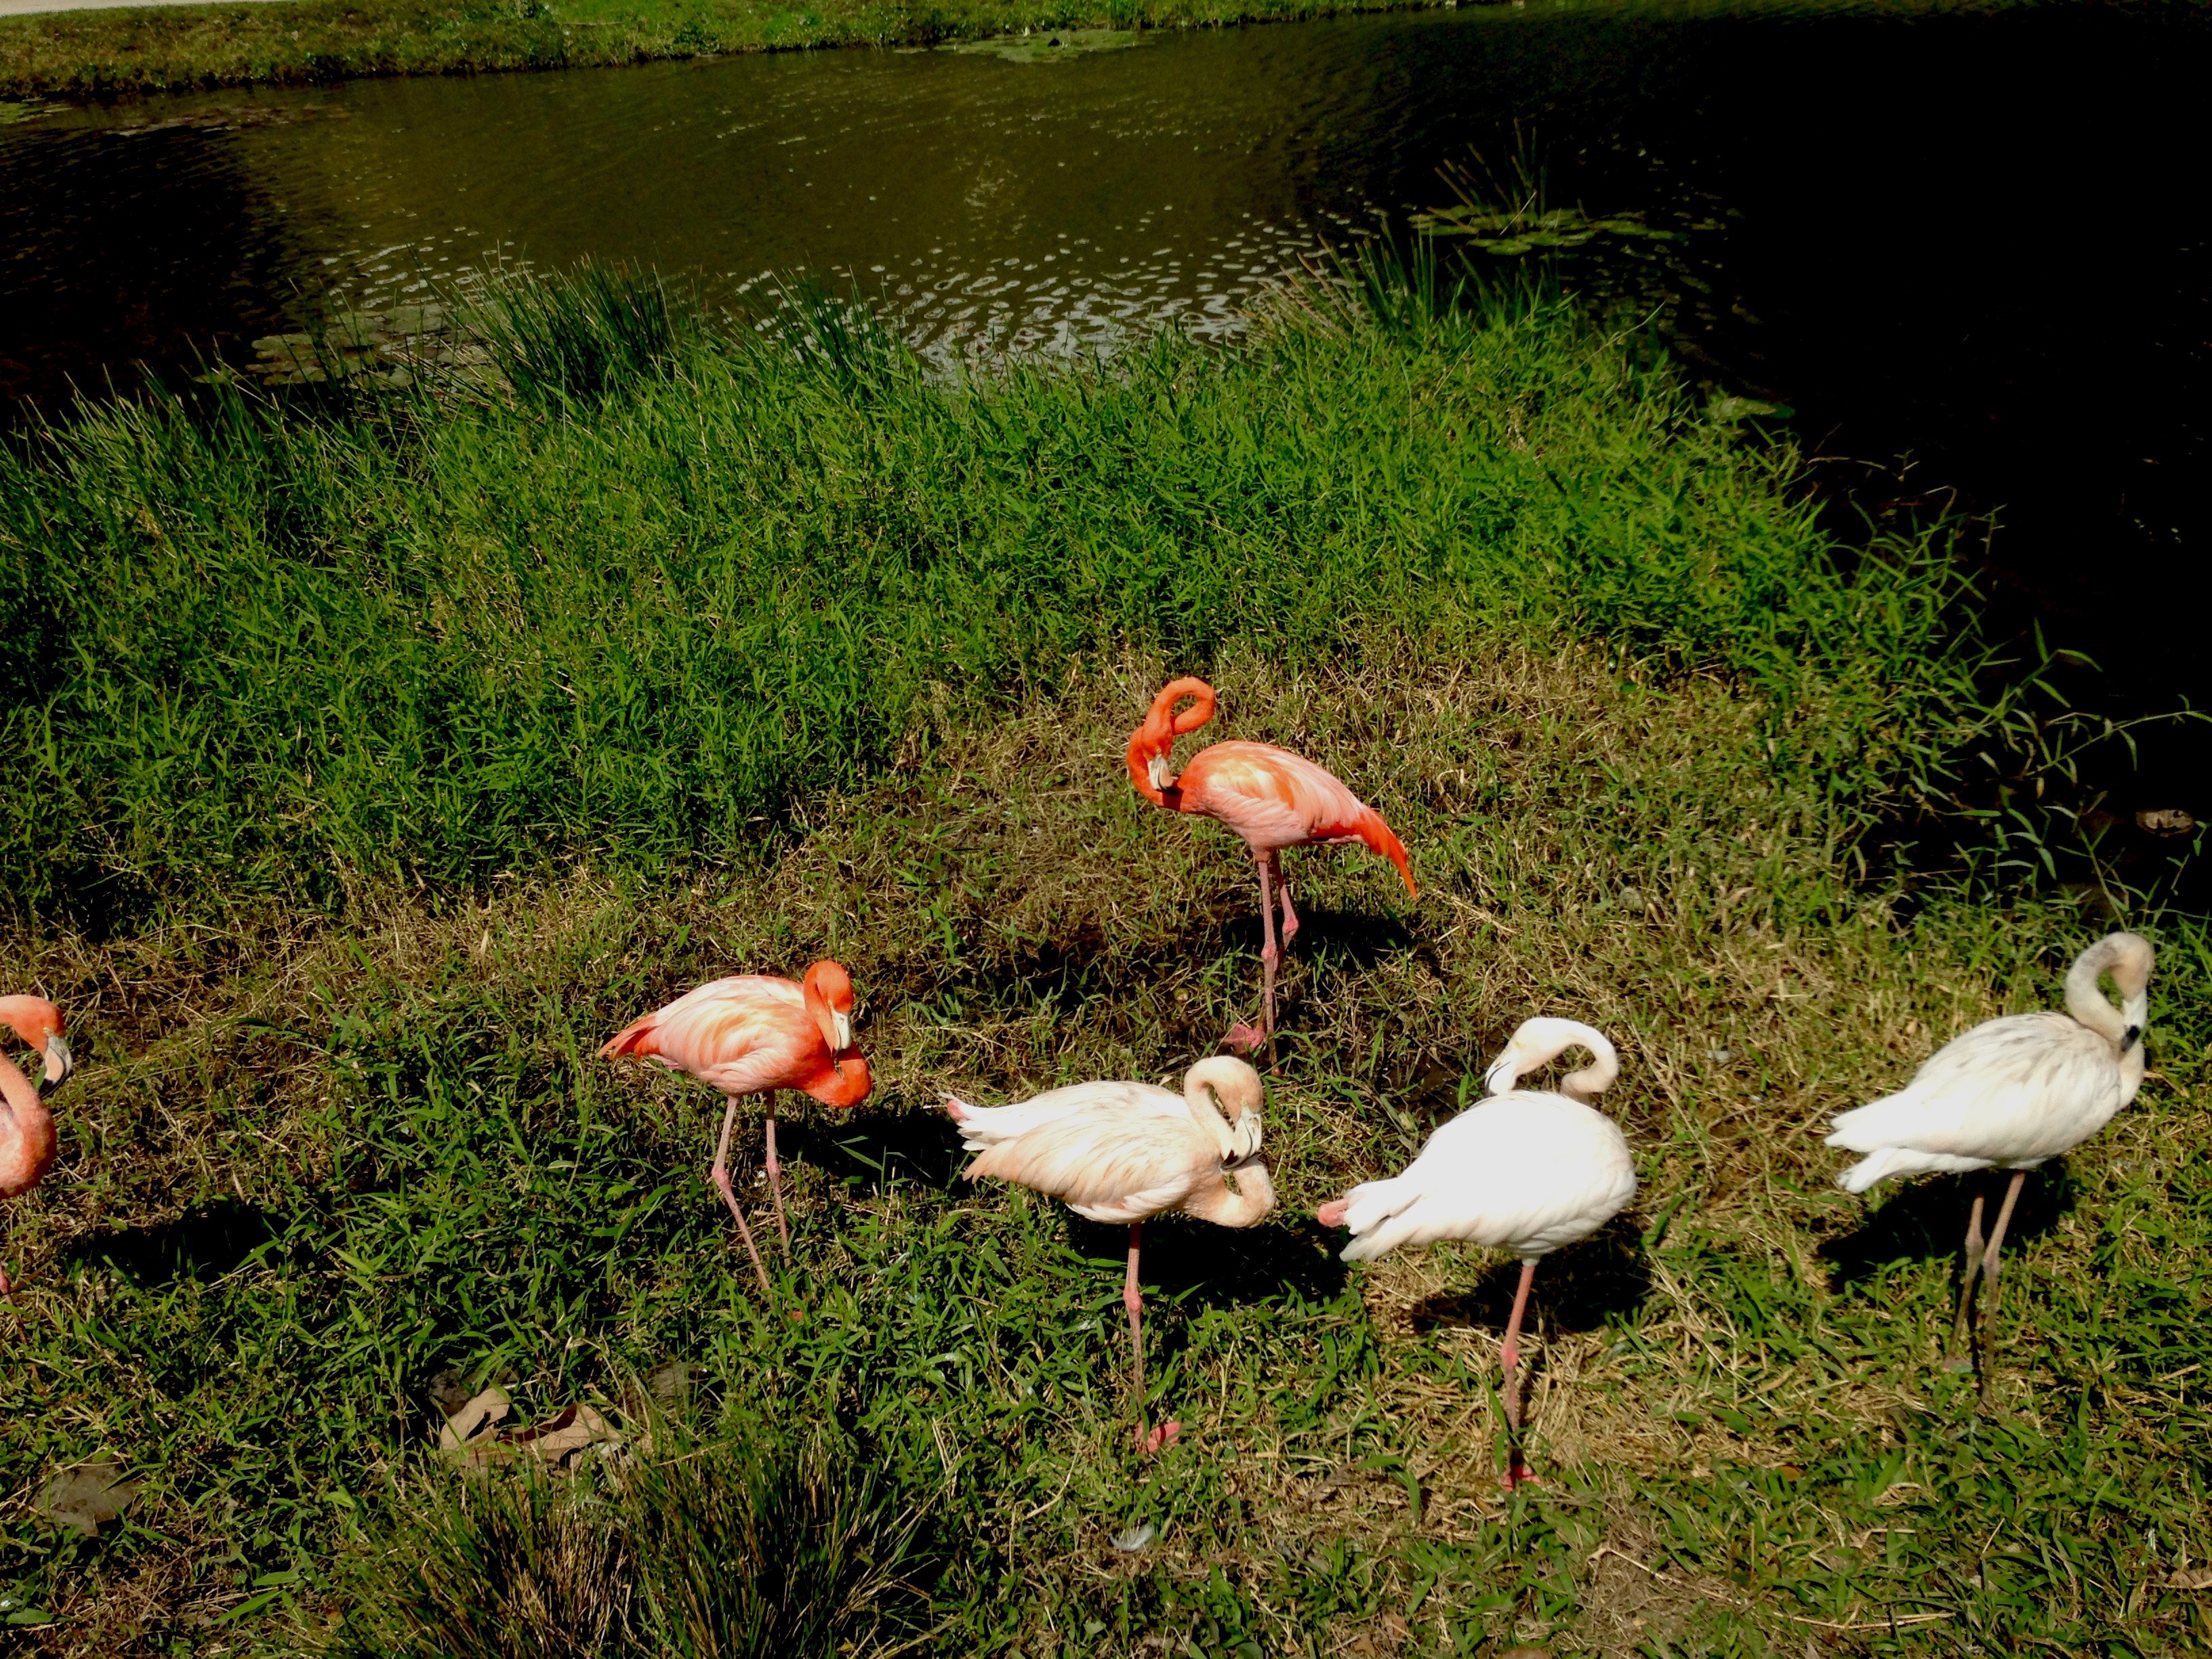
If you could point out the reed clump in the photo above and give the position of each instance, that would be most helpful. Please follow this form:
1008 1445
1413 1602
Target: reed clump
679 579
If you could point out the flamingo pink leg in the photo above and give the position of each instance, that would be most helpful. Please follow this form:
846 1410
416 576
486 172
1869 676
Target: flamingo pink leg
1516 1471
1134 1300
775 1181
1245 1038
1991 1268
1961 1358
721 1176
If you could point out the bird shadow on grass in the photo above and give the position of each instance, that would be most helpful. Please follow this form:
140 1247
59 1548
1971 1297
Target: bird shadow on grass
1927 1221
1582 1287
1197 1265
205 1241
872 1150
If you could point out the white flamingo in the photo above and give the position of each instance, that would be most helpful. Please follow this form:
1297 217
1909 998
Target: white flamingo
1128 1151
2011 1093
1524 1170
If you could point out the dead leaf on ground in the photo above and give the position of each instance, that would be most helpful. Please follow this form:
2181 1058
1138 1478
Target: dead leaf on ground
473 1434
2192 1578
476 1421
85 1498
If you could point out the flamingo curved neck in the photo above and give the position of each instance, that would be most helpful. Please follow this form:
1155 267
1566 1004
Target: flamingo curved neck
1251 1197
20 1102
844 1081
1549 1040
2085 1002
1151 764
1208 1115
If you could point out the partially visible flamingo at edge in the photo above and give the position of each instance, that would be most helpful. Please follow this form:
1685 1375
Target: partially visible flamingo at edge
29 1143
753 1033
1124 1152
1272 798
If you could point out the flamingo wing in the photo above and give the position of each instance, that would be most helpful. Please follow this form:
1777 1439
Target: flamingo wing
743 1034
1524 1170
982 1127
2012 1091
1275 799
1116 1162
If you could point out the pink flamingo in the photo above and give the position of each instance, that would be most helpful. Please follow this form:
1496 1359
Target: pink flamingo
753 1033
1270 797
28 1142
1128 1151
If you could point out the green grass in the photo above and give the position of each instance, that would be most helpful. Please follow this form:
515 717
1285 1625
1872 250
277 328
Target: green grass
379 757
171 49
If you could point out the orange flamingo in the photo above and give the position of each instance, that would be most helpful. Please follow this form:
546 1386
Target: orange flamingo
753 1033
1270 797
27 1141
1126 1151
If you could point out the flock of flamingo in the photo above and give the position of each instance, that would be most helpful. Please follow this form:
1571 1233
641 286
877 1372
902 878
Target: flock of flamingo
1525 1170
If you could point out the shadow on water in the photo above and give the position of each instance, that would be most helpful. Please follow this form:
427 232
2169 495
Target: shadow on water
115 252
1926 1221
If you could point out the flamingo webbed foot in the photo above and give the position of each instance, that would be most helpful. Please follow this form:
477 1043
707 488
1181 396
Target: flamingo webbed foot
1159 1439
1244 1039
1332 1214
1519 1474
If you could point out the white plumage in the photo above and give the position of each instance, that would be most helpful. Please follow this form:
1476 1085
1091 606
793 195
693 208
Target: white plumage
1524 1170
1127 1151
2013 1092
2010 1093
1122 1152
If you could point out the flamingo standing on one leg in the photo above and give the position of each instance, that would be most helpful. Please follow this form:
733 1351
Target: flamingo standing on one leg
28 1145
1128 1151
752 1034
1272 797
2010 1092
1527 1170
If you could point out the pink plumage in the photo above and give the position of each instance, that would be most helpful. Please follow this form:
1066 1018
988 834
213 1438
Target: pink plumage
753 1033
28 1145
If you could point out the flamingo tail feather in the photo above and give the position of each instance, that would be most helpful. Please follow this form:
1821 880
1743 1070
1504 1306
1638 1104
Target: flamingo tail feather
1380 838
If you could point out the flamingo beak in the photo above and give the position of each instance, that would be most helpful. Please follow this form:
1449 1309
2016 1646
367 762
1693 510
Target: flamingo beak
59 1063
1157 770
843 1025
1504 1071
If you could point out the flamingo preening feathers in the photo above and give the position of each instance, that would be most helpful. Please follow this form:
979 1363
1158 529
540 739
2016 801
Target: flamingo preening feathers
1274 799
1526 1170
2011 1093
28 1145
1123 1152
752 1034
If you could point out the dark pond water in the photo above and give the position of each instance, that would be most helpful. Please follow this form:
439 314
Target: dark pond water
1970 248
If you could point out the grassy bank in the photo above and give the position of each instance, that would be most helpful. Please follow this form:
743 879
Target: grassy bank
391 753
168 49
